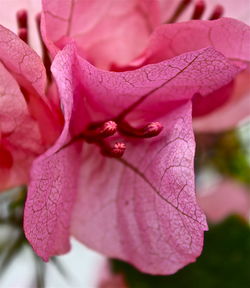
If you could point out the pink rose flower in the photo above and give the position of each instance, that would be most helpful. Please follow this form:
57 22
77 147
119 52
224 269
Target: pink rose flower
113 36
28 124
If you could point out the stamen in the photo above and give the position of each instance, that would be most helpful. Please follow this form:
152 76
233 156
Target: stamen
116 151
46 57
23 34
22 18
179 10
150 130
199 9
22 23
217 12
107 129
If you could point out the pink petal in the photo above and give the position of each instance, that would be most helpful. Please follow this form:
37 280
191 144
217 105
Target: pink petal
24 115
28 70
20 139
104 31
228 36
164 84
223 199
170 40
231 113
142 209
53 182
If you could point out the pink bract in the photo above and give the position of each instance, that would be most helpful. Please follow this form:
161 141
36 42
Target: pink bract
25 115
140 208
100 28
110 45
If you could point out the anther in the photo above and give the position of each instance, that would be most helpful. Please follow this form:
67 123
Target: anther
22 18
22 23
217 12
116 151
150 130
23 34
199 9
179 10
107 129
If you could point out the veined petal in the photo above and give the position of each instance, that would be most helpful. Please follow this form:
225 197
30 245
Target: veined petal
104 31
142 208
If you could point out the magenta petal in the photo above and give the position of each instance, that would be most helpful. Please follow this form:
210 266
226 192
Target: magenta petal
142 208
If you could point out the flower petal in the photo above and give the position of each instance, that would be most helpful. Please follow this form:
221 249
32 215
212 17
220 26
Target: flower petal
53 183
154 89
15 124
142 208
104 31
28 70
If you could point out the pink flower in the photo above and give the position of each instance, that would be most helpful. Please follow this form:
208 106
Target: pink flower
139 206
27 124
120 177
115 34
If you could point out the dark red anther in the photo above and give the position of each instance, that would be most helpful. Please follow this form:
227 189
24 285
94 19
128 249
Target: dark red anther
107 129
150 130
116 151
199 9
23 34
22 19
217 12
179 10
22 23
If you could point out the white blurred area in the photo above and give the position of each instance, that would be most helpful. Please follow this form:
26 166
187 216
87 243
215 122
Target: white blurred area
83 268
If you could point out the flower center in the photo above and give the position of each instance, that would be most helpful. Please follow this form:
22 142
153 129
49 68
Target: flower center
198 10
101 135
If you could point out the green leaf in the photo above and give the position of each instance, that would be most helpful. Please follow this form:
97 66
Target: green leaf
225 262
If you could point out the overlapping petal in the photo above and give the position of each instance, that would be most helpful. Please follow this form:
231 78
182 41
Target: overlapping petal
148 194
24 110
105 31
